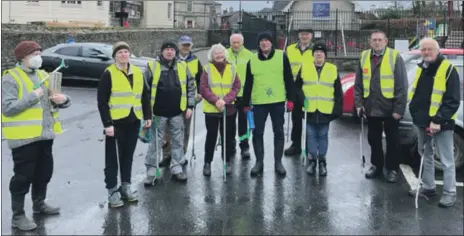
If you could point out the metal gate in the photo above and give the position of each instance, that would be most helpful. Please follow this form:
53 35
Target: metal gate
252 28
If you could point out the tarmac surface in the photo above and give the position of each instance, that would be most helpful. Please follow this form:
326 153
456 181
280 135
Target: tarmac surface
344 202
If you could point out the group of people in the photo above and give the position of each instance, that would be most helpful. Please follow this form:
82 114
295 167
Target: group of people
163 98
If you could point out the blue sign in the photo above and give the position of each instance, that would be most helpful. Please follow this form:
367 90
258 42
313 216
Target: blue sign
321 9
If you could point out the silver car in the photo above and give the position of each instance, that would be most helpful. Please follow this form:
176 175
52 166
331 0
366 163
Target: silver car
409 132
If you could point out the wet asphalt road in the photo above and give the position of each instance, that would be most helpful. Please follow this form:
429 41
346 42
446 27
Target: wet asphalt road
344 202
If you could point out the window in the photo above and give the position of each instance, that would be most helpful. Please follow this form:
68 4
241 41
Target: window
72 2
169 10
32 2
92 52
99 3
189 5
68 51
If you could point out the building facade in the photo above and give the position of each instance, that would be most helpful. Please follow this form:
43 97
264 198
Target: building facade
201 14
158 14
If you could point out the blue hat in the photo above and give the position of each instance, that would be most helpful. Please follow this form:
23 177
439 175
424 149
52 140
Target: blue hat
185 40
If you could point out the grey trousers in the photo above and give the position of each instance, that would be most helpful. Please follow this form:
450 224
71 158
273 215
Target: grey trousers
444 144
175 127
167 146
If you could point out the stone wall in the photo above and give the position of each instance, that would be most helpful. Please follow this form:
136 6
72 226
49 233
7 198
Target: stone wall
144 42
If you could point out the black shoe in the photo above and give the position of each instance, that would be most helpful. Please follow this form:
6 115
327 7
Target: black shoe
426 193
185 162
392 176
245 154
207 169
322 168
180 177
257 169
292 151
228 169
279 169
311 167
166 162
373 172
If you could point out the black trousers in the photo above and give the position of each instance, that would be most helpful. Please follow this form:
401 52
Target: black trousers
376 126
120 147
32 165
213 123
297 125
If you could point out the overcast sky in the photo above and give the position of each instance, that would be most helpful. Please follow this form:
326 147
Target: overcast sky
258 5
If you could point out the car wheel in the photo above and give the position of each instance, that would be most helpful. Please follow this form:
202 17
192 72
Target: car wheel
458 153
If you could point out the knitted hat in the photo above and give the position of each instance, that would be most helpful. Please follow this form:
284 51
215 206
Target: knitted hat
25 48
265 35
118 46
168 44
307 30
320 47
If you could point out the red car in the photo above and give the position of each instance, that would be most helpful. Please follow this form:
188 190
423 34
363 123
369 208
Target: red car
410 60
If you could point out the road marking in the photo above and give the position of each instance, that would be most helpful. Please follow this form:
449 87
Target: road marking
413 180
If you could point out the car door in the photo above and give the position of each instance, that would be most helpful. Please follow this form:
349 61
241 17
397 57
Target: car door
95 61
71 56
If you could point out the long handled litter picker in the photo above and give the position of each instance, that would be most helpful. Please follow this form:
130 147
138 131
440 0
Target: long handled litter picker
224 144
158 150
427 138
304 148
62 65
285 49
361 141
194 156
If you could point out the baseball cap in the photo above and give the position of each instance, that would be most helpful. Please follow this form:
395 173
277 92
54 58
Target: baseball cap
185 40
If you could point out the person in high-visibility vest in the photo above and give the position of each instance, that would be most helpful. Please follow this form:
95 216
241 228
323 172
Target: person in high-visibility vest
123 101
219 86
381 86
172 100
238 55
269 83
29 125
195 68
299 53
434 99
319 84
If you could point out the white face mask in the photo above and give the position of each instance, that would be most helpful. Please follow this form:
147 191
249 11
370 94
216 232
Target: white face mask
35 62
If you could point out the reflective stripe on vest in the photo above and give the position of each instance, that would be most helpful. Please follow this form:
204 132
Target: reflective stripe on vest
297 58
219 85
240 61
319 90
27 124
124 97
268 82
181 68
439 87
387 70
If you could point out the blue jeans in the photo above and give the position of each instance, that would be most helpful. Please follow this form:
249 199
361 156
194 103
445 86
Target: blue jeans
260 114
317 140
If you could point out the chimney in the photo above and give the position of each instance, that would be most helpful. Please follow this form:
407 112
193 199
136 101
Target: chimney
231 9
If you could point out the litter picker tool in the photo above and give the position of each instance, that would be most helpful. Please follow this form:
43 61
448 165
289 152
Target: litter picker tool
285 49
62 65
304 146
427 137
224 145
251 126
158 150
194 156
361 141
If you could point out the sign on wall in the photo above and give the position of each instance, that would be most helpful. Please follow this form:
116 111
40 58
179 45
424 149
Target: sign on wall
321 9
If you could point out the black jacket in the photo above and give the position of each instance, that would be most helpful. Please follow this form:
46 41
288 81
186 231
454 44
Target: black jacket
103 98
318 117
287 77
420 103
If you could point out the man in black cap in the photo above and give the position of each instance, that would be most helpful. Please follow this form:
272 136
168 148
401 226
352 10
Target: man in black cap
172 98
299 53
319 84
269 83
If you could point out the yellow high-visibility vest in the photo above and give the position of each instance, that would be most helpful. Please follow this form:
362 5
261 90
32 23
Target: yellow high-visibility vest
319 90
219 85
387 71
240 61
27 124
193 69
439 87
123 98
155 69
297 58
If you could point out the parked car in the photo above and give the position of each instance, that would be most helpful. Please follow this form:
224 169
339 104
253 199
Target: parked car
408 132
86 61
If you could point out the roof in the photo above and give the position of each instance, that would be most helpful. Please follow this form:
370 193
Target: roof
280 5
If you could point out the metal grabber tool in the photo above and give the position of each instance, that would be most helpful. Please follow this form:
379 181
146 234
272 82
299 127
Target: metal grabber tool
288 127
427 137
224 144
194 156
304 146
62 65
361 141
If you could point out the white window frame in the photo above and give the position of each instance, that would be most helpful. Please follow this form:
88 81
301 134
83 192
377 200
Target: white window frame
32 3
71 3
170 5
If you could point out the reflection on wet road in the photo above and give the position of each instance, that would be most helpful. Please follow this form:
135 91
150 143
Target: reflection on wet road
344 202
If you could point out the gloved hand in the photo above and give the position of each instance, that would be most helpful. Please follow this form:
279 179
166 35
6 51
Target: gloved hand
289 106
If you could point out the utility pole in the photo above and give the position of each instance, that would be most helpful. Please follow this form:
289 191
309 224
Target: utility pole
240 22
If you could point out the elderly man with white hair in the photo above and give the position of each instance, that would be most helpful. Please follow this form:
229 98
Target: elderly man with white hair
219 86
434 101
239 56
